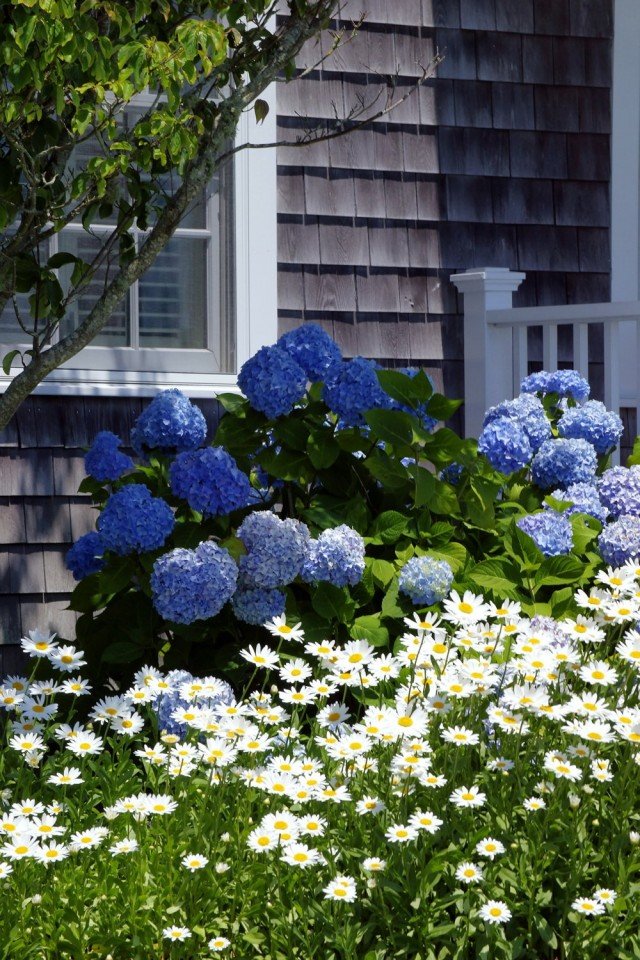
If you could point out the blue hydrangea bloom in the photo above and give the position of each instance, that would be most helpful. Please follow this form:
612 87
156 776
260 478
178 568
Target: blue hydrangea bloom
585 499
352 388
104 461
171 700
190 585
452 473
256 605
276 549
133 521
85 556
619 542
505 444
566 383
528 411
592 422
210 481
550 531
425 580
272 381
312 349
559 463
619 490
337 556
171 423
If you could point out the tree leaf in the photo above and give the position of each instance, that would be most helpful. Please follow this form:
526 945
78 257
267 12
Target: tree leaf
8 360
261 110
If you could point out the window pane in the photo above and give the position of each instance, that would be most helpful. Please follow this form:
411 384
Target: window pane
10 330
172 297
116 332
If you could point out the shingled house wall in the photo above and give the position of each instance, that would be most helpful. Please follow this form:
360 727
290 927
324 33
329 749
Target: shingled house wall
502 160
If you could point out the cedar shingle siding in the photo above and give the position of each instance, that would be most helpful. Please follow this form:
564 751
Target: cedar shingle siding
502 160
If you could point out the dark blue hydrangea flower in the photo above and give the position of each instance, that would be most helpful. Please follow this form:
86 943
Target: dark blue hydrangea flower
425 580
619 542
276 549
133 521
505 444
566 383
585 499
85 556
352 388
272 381
312 349
619 490
559 463
210 481
337 556
592 422
256 605
190 585
170 424
550 531
452 473
528 411
104 461
171 700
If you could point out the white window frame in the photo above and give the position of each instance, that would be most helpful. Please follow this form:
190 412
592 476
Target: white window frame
111 371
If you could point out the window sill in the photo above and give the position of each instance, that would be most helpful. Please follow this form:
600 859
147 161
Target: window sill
124 383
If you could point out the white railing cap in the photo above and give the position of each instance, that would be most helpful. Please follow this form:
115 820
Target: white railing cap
491 279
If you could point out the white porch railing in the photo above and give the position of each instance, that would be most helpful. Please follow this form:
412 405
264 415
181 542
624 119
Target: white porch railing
496 350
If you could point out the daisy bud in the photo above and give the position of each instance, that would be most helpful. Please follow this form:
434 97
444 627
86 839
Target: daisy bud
222 867
372 883
36 898
574 801
634 837
225 837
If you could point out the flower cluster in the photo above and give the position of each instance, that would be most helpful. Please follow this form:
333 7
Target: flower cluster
210 481
550 531
179 688
272 381
170 424
593 422
619 541
619 490
86 556
337 556
256 605
505 444
566 383
425 580
191 585
276 549
312 349
584 499
528 412
561 463
134 521
352 388
105 461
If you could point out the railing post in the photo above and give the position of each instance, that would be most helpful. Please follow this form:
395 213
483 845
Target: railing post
488 348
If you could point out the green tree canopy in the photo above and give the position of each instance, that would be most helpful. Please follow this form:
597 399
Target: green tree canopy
68 69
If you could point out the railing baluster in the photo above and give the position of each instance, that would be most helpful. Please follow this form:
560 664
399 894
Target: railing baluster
612 371
550 346
520 355
581 349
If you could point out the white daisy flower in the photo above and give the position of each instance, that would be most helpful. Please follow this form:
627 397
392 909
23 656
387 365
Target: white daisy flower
342 888
489 848
590 906
469 872
194 861
176 934
495 911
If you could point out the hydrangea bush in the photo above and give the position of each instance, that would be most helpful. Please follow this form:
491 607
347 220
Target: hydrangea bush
329 494
480 802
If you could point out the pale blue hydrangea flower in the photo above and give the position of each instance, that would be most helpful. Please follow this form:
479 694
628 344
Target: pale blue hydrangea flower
550 531
276 549
337 556
272 381
505 444
619 542
593 422
585 499
133 521
425 580
566 383
86 556
352 388
210 481
559 463
528 411
255 605
190 585
312 349
619 490
104 461
170 424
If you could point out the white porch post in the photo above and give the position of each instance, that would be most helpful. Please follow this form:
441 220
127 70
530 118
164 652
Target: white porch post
488 349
